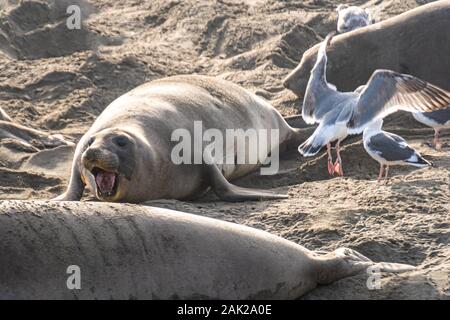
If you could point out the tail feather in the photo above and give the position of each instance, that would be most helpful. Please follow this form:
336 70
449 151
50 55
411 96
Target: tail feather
420 161
309 148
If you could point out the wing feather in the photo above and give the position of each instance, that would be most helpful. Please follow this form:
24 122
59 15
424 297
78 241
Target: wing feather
388 91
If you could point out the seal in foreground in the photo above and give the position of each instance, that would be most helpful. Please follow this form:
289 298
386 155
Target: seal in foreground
137 252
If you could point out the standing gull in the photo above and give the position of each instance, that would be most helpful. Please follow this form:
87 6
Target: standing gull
438 120
342 113
390 149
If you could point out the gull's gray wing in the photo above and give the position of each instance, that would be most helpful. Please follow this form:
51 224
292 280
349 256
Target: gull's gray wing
388 91
390 147
330 101
440 116
318 89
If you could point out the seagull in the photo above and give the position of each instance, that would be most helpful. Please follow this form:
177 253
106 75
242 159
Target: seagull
342 113
438 120
390 149
351 18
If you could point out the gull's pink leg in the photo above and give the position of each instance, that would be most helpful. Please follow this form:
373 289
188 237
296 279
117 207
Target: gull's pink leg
436 142
338 163
387 172
330 160
381 172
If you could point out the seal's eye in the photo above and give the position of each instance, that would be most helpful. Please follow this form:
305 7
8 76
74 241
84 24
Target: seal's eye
121 141
90 141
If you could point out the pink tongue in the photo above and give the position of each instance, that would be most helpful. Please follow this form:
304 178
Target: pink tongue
105 181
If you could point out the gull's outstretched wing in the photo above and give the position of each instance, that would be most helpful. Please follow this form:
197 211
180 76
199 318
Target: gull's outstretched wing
318 88
388 91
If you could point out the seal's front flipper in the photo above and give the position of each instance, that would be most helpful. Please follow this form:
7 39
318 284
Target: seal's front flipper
229 192
76 186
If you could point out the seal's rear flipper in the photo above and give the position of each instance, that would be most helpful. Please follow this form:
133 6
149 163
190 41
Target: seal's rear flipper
345 262
31 136
229 192
392 267
4 116
234 193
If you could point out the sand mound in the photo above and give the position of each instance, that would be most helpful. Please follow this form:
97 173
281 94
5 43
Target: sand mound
59 80
47 88
34 30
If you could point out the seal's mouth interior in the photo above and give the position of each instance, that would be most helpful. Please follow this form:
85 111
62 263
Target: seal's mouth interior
106 181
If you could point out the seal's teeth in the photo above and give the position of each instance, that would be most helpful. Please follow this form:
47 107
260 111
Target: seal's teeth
105 181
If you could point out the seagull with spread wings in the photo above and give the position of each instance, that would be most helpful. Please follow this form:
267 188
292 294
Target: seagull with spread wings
342 113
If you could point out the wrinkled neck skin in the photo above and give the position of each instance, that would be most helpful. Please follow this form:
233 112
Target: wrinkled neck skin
145 178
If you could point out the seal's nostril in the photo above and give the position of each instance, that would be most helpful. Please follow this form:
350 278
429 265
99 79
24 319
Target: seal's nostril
90 154
90 141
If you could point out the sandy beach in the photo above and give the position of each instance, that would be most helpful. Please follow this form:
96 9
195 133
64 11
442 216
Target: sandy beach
59 81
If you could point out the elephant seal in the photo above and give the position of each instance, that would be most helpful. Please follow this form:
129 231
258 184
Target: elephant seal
416 42
126 156
124 251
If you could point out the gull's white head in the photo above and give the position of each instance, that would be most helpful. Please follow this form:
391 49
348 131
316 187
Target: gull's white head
351 18
373 128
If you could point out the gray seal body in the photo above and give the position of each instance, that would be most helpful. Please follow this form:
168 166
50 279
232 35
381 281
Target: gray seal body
123 251
126 156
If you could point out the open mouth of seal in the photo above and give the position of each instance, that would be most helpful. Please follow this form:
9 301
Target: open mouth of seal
106 181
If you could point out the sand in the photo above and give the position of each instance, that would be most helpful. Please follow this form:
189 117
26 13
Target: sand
58 81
